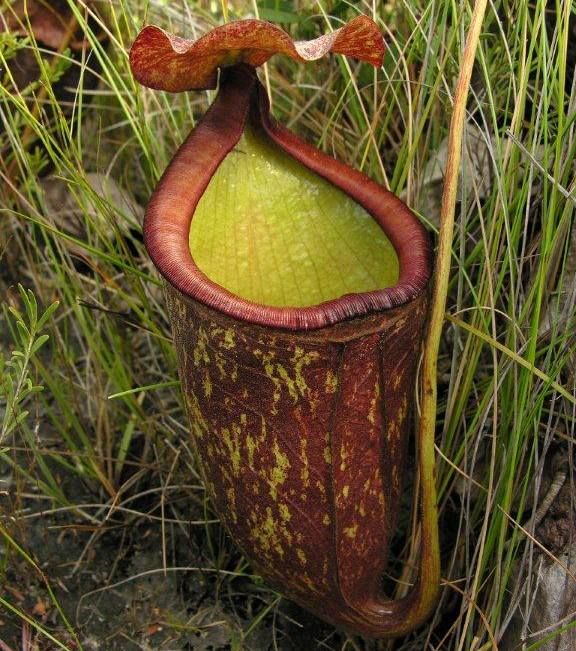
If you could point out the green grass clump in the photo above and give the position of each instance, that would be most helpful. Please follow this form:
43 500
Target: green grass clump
116 471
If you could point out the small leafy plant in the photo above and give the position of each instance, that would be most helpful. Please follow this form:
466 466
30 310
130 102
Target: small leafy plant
16 383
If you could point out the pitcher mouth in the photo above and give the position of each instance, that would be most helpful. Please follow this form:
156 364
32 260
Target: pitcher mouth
242 100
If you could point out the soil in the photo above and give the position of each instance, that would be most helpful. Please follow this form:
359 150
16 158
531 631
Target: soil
110 583
557 529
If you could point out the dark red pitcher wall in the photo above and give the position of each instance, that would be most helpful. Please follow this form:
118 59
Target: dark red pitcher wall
301 438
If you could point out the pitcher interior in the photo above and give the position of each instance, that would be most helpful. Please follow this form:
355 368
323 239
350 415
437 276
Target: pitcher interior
271 231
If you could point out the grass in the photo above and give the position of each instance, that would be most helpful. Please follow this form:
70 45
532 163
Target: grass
103 445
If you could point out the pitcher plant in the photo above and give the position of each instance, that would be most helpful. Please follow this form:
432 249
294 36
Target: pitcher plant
297 290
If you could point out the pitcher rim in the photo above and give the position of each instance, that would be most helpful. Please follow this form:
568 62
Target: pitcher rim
166 233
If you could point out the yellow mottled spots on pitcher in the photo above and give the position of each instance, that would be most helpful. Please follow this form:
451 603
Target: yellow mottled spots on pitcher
232 438
331 384
221 365
284 512
327 453
314 402
305 471
222 337
263 432
207 384
289 383
301 556
374 402
197 420
393 432
350 532
176 307
264 533
343 456
294 383
279 472
282 464
321 490
310 584
398 377
200 352
266 359
251 448
346 491
268 341
229 339
300 359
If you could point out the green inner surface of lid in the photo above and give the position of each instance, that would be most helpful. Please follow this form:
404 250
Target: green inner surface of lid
271 231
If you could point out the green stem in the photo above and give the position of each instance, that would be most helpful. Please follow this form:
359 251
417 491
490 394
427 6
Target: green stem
430 561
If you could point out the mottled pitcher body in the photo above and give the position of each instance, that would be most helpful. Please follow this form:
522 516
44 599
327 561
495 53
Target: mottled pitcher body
301 438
